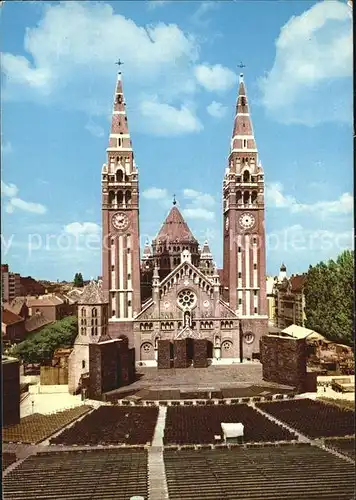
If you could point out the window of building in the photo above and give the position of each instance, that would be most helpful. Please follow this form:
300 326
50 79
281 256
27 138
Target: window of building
112 268
255 266
128 276
240 301
255 309
83 364
113 312
129 303
240 275
254 240
255 292
245 144
129 250
239 249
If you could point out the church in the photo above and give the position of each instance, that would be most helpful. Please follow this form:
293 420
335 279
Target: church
175 291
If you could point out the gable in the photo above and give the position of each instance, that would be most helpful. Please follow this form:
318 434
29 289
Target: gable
147 311
226 311
192 275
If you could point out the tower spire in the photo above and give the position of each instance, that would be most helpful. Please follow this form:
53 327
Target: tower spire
119 133
243 139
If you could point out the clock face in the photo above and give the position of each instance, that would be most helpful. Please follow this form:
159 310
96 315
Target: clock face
120 220
246 221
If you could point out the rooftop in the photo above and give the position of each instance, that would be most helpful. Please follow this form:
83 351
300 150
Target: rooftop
10 318
93 293
175 229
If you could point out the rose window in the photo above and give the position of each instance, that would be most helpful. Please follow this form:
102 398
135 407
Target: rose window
226 345
146 347
249 338
187 298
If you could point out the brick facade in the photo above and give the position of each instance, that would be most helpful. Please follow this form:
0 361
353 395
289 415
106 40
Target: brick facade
11 391
284 361
111 366
178 282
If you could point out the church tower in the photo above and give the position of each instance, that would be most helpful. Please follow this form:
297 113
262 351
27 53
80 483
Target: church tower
120 220
244 272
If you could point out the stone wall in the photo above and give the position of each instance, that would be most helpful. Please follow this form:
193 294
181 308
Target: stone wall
284 361
164 354
111 366
181 353
53 375
11 391
200 353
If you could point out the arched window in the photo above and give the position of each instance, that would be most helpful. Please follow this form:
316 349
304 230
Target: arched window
111 197
238 197
120 197
94 312
254 197
246 176
128 197
84 312
119 175
246 197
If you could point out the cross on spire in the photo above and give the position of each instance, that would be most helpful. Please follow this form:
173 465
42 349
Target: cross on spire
174 200
119 63
241 65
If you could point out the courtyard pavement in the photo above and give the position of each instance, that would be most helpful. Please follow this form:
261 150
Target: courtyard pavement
48 403
211 378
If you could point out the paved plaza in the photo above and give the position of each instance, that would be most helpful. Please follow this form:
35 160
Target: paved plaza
213 378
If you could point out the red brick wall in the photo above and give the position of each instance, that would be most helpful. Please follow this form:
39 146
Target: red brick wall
11 392
284 361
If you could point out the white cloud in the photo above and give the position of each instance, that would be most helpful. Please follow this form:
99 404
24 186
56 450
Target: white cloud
199 205
70 63
199 16
94 129
8 189
82 228
313 57
216 109
166 120
298 239
275 197
215 78
6 147
153 4
198 213
154 193
26 206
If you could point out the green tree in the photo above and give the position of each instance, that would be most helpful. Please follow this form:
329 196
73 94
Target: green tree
40 347
78 280
329 298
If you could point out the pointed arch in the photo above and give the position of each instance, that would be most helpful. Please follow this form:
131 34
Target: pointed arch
119 175
246 176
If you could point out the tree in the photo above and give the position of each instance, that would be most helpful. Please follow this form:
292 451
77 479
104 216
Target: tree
329 298
78 280
40 347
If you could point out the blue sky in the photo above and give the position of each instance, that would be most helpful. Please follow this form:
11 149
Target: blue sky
180 81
